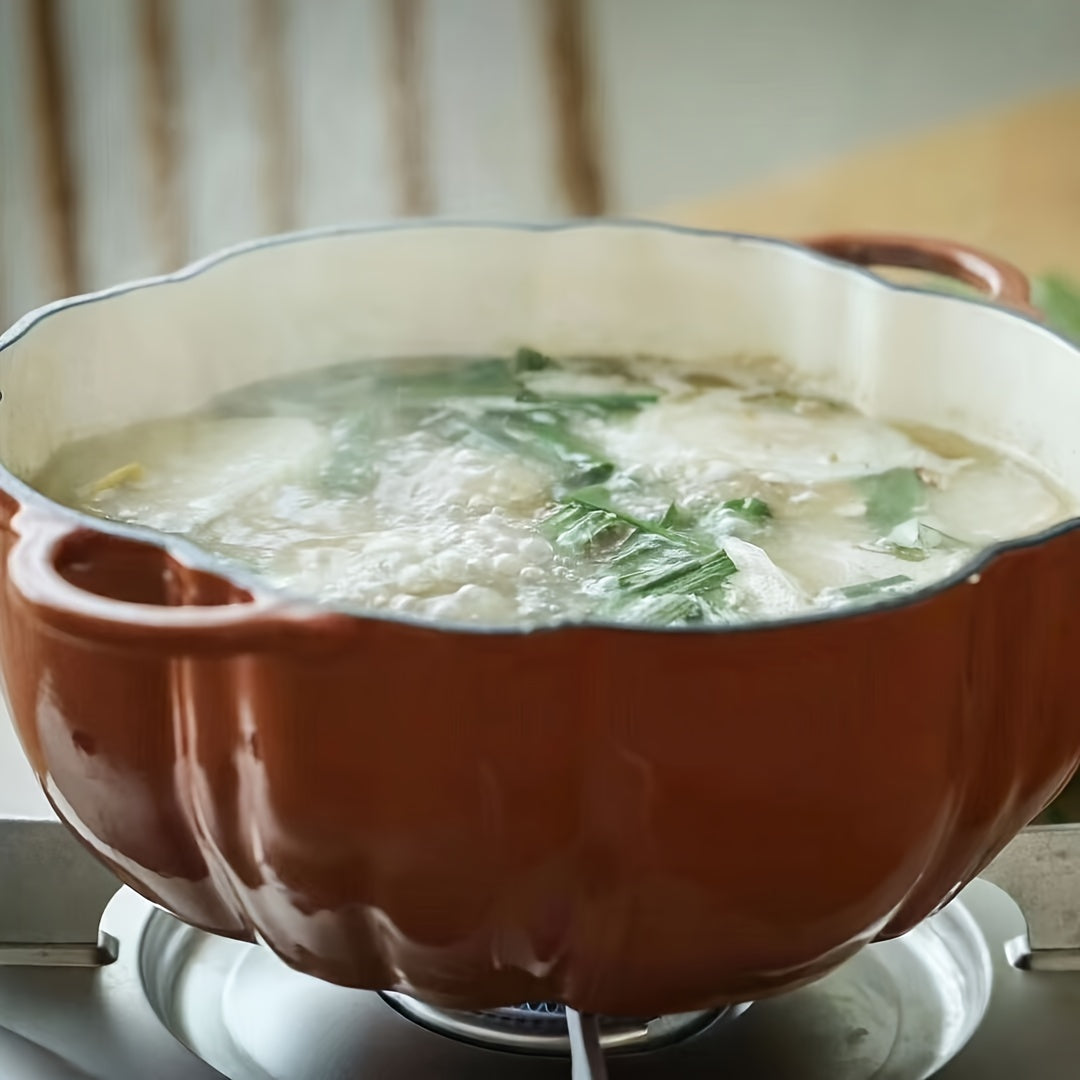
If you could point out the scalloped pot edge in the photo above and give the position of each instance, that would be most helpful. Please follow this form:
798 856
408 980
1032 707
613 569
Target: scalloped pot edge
622 820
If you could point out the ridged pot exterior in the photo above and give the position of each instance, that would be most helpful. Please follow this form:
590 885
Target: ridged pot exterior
622 820
625 820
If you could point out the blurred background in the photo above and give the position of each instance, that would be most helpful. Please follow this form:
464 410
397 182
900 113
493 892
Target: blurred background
136 135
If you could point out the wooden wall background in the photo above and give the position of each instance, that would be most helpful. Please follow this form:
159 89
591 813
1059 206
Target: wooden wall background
137 134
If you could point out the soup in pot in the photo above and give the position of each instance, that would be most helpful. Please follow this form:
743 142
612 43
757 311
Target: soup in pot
527 491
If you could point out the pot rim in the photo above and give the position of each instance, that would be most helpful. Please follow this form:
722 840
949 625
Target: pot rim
190 554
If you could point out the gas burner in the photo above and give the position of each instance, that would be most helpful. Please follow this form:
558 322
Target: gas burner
988 989
902 1008
541 1027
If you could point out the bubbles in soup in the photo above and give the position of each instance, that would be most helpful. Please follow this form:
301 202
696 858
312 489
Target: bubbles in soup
529 491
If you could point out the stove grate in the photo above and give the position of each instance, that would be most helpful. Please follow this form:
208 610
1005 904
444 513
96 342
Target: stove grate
541 1027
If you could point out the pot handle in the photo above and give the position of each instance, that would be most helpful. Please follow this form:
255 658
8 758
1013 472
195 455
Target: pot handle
197 612
998 279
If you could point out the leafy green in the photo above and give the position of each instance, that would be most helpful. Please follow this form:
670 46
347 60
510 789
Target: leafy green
1059 299
596 497
688 577
644 560
519 421
484 400
678 519
580 524
663 583
480 378
577 528
541 435
750 509
352 465
328 392
894 500
526 359
892 497
913 541
595 404
659 561
866 589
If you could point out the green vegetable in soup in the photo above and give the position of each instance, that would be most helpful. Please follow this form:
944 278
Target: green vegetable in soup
480 378
892 497
597 497
592 404
526 490
526 359
541 435
646 558
749 509
692 577
867 590
913 541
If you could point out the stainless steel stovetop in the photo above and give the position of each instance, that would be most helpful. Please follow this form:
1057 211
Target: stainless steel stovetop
96 983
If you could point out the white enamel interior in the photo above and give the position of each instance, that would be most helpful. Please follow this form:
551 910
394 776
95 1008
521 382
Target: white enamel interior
283 307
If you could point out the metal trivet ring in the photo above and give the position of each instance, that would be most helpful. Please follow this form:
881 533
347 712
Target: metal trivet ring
540 1027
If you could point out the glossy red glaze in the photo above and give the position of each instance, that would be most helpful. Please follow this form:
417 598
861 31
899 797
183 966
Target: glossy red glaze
995 277
628 821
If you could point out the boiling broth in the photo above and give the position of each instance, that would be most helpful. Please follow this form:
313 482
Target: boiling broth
528 491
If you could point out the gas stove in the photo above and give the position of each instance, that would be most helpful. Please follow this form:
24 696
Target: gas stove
98 984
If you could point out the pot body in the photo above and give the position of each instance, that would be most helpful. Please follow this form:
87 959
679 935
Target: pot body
628 821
